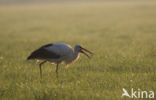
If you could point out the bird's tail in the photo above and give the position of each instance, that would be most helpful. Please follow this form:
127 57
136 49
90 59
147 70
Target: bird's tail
30 57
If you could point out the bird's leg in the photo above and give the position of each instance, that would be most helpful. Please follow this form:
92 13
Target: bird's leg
41 68
57 70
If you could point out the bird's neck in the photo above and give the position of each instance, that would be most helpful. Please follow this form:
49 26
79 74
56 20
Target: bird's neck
75 55
73 58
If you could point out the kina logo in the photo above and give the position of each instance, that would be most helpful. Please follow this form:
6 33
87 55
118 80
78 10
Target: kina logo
138 93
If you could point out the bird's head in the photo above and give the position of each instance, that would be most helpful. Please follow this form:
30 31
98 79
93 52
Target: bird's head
82 50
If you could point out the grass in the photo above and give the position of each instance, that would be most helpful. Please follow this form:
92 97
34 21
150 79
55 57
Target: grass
121 34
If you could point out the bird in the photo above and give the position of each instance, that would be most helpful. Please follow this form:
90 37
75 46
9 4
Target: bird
57 53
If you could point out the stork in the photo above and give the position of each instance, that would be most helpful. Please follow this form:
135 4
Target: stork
57 53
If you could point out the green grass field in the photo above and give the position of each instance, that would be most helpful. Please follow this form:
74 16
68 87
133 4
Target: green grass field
121 34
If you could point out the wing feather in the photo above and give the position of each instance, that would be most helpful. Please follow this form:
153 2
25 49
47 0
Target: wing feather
43 53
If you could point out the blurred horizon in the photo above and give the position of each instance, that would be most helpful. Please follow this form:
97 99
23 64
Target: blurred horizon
12 2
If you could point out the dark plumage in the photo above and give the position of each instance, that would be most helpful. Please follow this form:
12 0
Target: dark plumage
42 53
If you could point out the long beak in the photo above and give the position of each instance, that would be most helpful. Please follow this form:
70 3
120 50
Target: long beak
86 51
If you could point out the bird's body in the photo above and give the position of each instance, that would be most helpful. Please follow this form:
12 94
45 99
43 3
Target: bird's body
57 53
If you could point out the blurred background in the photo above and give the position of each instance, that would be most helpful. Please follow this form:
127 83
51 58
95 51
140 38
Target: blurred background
121 33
